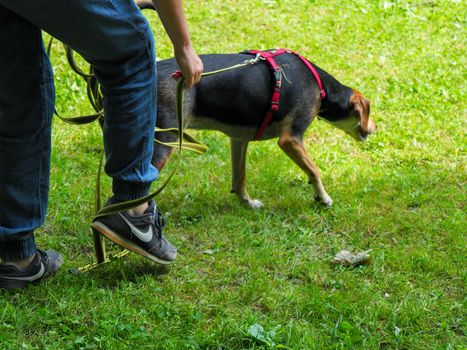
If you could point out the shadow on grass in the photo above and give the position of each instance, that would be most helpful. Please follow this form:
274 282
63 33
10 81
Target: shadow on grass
125 270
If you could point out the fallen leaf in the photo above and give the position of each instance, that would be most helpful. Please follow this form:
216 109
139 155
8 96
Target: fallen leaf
346 258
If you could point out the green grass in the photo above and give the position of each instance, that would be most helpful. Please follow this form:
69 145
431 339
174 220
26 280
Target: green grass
262 279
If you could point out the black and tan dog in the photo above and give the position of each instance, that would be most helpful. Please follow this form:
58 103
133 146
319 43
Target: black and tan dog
235 102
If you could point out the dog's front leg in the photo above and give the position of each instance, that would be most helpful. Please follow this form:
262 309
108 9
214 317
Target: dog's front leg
238 154
293 147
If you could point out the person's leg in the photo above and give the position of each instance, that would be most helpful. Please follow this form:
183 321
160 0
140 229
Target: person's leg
116 39
26 109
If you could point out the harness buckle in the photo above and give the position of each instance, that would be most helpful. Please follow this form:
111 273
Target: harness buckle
278 77
275 106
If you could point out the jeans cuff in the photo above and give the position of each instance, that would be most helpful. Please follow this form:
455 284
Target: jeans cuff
127 191
17 247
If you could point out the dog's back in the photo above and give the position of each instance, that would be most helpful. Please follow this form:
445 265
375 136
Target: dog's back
236 101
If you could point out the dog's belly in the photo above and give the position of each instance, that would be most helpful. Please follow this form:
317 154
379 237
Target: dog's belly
238 132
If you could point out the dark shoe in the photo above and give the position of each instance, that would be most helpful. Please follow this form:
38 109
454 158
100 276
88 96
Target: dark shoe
141 234
42 266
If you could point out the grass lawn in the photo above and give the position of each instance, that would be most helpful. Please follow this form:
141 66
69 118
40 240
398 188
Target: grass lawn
262 279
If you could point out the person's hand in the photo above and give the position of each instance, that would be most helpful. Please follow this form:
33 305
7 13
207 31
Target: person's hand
190 64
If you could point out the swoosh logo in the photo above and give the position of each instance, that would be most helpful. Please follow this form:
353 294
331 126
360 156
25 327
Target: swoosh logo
28 278
145 236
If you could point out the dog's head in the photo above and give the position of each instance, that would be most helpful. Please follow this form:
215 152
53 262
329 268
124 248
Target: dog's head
355 119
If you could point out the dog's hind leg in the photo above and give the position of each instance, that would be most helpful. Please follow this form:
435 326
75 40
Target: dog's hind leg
238 154
294 148
162 153
161 156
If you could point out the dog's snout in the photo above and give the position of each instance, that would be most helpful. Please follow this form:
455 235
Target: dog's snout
371 126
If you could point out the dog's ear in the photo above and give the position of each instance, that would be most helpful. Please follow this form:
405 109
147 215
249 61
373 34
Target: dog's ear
361 106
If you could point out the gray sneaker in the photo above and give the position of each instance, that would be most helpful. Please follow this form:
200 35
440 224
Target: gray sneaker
42 266
140 234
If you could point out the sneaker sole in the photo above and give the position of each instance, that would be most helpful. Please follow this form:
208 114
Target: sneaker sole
126 243
8 284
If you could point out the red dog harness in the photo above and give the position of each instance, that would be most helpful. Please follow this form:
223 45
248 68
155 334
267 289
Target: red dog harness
268 56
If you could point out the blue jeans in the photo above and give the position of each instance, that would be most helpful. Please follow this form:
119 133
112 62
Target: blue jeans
116 39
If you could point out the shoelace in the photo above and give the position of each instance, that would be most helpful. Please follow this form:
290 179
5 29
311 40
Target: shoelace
157 219
44 259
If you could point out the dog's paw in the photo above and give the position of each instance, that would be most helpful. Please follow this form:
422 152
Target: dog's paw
254 203
324 199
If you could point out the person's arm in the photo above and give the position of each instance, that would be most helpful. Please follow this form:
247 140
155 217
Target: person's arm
173 18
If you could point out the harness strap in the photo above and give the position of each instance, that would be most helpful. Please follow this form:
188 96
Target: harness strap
268 56
314 72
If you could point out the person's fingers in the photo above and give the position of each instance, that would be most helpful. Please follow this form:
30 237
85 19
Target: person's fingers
190 64
193 75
